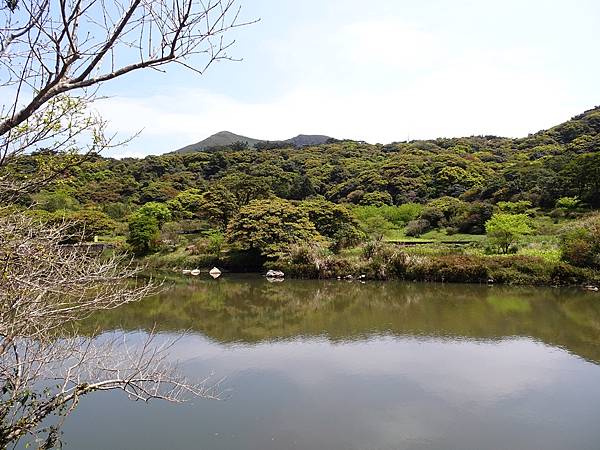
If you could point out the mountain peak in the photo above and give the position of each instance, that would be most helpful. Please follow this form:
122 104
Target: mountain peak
225 138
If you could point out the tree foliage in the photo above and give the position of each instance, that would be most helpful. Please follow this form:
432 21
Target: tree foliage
270 226
504 230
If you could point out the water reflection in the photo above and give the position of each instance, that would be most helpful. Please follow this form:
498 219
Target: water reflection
251 310
345 366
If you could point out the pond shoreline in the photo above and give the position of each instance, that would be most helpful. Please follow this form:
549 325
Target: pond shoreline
509 270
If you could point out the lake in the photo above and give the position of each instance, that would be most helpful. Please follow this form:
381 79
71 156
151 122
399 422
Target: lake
341 365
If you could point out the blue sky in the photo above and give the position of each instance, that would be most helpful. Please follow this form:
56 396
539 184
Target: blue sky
381 71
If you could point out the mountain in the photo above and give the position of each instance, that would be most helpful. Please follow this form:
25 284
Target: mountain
227 138
302 140
220 139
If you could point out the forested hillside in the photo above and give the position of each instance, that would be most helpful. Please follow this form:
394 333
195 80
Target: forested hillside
541 168
337 194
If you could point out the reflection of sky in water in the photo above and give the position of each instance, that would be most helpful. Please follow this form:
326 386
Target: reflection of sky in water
378 393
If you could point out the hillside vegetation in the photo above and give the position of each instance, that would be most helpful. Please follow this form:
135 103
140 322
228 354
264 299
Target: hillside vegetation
242 207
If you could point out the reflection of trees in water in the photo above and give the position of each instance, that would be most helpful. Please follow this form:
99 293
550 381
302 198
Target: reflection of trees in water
252 310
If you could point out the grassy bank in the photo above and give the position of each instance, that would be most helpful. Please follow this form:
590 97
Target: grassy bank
386 261
383 261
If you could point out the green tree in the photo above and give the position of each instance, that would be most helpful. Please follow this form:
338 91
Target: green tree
333 221
145 225
246 188
506 229
271 227
187 204
519 207
88 223
144 233
158 191
159 211
376 198
218 206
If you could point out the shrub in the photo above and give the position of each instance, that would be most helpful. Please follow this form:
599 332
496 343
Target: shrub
519 207
580 244
401 215
568 203
565 274
449 268
417 227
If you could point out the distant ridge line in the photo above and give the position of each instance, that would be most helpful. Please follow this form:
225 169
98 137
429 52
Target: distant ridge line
227 138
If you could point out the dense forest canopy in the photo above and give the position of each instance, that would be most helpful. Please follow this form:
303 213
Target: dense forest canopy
540 168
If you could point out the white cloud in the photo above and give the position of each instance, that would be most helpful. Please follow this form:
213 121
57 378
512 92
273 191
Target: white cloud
450 91
389 42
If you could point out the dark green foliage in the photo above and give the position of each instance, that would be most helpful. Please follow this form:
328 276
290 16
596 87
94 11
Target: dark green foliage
472 218
81 226
145 225
55 201
540 169
270 226
453 185
416 228
334 222
144 233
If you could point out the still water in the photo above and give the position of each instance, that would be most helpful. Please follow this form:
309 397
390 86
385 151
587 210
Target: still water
338 365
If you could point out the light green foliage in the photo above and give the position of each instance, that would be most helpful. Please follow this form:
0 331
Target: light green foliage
401 215
82 225
504 230
216 241
397 215
159 211
88 223
376 227
270 227
519 207
145 225
56 200
444 187
568 203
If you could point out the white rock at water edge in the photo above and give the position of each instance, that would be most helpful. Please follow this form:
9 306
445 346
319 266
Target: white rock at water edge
195 272
275 274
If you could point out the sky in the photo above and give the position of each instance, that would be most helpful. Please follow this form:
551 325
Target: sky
379 71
